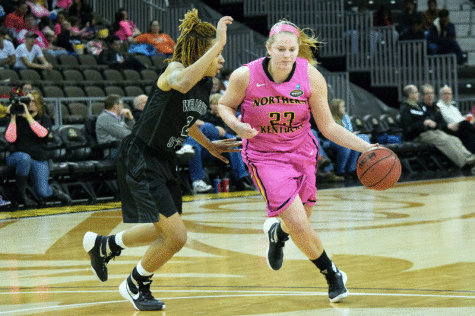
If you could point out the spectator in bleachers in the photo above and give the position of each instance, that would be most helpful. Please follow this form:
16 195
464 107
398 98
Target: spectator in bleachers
77 33
27 133
114 123
26 89
45 24
7 51
345 158
139 104
213 127
52 47
122 29
62 17
27 52
116 60
325 167
14 21
422 124
63 39
37 9
135 30
40 40
383 17
81 10
457 124
218 86
429 15
409 14
415 32
164 44
441 37
63 4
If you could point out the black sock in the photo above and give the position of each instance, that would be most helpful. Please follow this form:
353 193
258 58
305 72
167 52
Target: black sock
113 246
324 264
281 234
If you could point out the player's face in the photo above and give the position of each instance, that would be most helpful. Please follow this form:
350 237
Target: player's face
284 50
215 66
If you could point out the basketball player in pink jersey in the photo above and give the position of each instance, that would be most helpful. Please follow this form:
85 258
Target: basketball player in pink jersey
277 95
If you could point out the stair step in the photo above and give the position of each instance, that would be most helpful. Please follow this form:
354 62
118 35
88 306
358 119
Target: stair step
471 60
467 44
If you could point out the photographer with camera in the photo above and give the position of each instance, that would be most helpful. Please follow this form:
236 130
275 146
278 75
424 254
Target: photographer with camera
27 133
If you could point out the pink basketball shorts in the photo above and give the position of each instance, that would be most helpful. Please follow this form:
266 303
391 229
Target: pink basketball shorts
281 176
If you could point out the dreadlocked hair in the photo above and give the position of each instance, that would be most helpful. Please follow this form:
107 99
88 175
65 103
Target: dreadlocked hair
195 39
306 42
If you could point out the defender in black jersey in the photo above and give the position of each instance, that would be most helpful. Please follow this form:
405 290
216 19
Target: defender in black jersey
147 163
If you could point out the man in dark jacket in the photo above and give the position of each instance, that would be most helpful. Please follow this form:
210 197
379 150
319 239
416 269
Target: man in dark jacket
116 60
423 123
441 37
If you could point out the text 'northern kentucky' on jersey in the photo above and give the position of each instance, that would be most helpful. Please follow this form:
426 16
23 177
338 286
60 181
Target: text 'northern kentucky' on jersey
280 112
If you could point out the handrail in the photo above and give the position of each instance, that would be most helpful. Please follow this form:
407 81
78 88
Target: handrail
472 6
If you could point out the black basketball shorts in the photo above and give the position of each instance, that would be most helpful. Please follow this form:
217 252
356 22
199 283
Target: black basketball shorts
149 185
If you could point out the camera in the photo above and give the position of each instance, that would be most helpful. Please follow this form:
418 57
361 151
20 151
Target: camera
16 106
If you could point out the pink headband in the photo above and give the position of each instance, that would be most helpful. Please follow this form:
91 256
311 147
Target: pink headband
284 28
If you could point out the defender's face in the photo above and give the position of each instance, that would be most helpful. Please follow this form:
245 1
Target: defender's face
215 66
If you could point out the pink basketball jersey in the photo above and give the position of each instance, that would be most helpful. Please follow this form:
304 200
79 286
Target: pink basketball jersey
279 112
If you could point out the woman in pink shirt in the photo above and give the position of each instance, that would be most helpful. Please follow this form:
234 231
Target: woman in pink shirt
123 28
277 95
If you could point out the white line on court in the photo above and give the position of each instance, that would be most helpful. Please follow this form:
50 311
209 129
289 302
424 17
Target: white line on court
250 294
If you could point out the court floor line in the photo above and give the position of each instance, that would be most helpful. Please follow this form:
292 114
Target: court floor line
247 294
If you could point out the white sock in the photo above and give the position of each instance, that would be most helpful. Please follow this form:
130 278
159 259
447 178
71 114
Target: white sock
142 271
118 240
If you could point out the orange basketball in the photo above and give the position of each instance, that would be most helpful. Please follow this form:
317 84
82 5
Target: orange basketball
378 169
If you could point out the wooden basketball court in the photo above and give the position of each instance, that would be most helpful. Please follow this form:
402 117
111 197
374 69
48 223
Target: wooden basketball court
407 251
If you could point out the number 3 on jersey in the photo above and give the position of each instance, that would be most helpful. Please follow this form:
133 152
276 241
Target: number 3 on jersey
275 118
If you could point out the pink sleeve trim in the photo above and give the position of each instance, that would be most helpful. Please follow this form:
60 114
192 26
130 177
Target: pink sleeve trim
38 129
10 134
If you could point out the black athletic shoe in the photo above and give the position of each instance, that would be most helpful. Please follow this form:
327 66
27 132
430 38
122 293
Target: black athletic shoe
275 250
96 246
138 293
336 285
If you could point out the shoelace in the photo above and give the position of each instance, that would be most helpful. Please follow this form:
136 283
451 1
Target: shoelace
144 288
111 256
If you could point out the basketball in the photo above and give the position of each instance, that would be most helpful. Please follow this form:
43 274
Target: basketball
378 169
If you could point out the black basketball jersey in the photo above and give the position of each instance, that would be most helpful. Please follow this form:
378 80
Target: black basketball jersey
168 115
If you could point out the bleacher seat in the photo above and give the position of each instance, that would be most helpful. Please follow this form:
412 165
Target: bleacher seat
149 75
69 61
159 61
31 76
133 91
74 92
114 90
97 108
10 76
78 113
53 75
53 92
95 92
113 75
144 60
89 61
73 75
